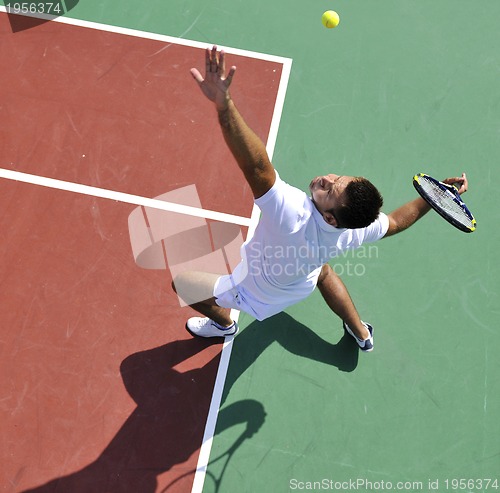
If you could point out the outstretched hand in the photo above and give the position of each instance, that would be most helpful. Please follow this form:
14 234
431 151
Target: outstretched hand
459 182
215 85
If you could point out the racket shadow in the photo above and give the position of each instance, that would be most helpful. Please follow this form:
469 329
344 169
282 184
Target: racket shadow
247 411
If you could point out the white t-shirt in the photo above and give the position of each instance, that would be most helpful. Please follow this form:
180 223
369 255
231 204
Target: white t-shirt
283 259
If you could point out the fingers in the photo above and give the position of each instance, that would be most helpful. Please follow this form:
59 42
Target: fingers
215 63
465 184
229 77
196 75
221 68
211 60
460 182
211 65
215 69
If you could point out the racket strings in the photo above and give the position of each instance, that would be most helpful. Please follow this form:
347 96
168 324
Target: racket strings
446 201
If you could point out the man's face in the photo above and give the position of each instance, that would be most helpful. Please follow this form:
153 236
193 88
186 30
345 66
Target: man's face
327 195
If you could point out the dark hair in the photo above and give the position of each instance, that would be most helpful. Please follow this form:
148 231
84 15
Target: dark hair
362 204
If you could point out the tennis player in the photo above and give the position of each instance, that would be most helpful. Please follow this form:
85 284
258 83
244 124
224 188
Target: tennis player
287 257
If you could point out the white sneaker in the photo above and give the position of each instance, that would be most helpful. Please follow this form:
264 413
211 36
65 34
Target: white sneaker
365 345
206 327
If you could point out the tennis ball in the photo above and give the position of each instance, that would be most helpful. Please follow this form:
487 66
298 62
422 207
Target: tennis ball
330 19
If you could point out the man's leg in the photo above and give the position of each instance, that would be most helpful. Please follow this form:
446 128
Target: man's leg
196 289
338 299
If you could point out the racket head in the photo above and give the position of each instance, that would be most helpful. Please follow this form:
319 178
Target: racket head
446 201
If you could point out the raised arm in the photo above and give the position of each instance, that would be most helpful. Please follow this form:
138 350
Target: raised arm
409 213
247 148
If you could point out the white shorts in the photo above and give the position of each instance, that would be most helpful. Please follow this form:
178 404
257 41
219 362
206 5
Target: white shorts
229 295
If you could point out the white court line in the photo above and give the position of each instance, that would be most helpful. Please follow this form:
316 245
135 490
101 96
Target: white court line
206 447
122 197
158 37
204 456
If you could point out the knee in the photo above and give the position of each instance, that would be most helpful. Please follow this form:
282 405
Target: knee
193 287
176 282
179 282
326 271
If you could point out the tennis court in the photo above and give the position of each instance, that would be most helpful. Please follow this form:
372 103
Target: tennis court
104 134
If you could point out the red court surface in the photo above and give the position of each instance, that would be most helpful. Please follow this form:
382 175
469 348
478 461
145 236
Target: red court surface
101 387
123 113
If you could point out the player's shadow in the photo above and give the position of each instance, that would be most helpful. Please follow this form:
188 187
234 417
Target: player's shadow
40 13
295 338
167 425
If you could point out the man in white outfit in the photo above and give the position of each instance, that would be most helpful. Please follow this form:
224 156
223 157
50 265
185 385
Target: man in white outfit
287 257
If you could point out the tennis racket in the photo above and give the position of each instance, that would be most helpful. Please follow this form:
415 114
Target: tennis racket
446 201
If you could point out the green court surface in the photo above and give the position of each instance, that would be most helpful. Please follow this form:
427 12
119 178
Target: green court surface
399 87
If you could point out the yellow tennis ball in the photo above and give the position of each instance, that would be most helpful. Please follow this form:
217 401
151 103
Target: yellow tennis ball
330 19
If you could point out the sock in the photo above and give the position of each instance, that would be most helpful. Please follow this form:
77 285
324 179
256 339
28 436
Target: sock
221 327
